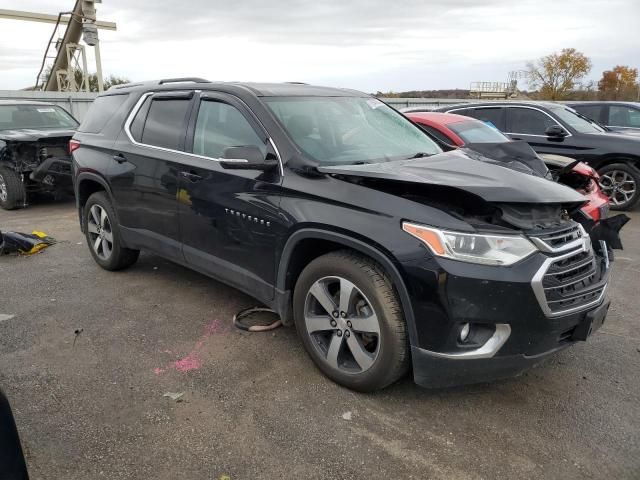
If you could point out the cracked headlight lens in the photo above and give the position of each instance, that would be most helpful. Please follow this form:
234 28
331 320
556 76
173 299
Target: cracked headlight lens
481 248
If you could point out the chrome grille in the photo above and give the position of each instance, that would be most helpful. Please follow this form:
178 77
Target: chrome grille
557 239
560 240
572 281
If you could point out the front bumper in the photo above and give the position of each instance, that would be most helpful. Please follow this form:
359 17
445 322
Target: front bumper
437 370
516 329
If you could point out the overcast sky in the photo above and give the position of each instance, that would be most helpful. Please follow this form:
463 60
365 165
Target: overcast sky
369 45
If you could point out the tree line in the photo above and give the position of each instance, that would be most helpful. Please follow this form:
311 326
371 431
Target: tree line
558 76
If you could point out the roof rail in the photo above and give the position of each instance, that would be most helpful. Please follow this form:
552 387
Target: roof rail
160 82
183 79
124 85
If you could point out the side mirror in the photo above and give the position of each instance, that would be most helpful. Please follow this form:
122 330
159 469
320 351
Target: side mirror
248 157
555 131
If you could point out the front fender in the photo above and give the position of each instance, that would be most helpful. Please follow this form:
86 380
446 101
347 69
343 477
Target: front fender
375 253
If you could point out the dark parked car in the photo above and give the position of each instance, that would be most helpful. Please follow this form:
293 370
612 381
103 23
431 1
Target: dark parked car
453 130
345 218
615 116
554 128
34 155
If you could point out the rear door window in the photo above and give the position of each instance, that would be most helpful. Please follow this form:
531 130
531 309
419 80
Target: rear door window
101 111
476 132
165 125
220 126
492 116
527 121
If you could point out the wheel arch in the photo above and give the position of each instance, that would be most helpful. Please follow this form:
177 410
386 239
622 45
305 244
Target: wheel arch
86 185
309 243
619 158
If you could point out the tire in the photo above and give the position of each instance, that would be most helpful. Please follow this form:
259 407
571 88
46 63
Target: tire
347 348
12 192
621 183
103 234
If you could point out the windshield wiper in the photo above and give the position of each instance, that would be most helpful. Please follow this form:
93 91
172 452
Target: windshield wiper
420 155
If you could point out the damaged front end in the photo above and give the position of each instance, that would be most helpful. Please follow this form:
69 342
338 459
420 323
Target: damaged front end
44 164
528 277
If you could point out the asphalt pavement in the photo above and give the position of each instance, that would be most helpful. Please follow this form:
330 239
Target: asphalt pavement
87 356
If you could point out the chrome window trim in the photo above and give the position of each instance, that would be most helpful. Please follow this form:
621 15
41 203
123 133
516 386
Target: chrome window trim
138 105
519 106
538 289
488 350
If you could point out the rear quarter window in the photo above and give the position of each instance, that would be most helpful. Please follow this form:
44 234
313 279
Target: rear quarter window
101 111
492 116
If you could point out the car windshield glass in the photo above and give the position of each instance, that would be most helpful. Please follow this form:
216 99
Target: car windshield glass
34 116
477 132
576 121
343 130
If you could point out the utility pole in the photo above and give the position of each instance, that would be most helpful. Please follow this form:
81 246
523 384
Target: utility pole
81 22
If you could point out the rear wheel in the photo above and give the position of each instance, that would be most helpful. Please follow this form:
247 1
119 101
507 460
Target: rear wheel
348 316
103 234
12 192
620 182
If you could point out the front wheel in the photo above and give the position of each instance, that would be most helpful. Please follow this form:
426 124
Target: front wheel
620 182
12 191
348 316
103 234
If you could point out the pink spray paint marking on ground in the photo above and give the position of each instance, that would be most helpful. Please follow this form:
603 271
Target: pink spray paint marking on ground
192 361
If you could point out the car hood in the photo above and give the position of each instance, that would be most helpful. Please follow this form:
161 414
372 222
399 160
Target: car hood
34 134
466 170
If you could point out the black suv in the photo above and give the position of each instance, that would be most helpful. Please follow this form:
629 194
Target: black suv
556 128
340 214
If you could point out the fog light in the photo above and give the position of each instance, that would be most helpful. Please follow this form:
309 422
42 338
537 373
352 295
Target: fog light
464 332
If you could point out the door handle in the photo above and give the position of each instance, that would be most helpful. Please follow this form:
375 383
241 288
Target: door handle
516 138
192 177
120 158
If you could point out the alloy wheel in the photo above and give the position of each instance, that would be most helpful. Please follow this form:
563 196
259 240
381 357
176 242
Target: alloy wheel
619 186
100 232
3 189
343 326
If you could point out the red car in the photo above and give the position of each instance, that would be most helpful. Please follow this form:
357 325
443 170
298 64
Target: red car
452 131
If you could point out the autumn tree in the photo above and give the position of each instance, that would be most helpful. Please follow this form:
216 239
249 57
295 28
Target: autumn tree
619 83
557 74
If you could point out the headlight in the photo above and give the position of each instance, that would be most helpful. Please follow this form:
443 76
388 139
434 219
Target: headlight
472 247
